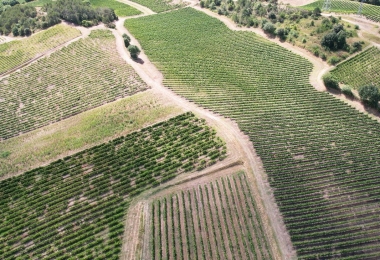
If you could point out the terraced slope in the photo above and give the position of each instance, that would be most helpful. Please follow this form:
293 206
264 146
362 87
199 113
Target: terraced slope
361 70
84 75
74 208
13 54
218 220
321 156
371 12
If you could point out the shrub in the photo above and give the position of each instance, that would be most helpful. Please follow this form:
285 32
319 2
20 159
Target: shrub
281 33
330 81
329 40
370 95
269 27
346 90
317 11
333 60
127 40
134 51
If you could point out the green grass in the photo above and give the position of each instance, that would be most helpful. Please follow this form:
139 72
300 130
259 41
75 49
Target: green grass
361 70
321 156
120 9
371 12
15 53
86 74
82 131
74 208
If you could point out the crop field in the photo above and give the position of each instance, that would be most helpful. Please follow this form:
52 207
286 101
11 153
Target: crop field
87 129
84 75
371 12
321 156
74 208
119 8
13 54
218 220
158 6
361 70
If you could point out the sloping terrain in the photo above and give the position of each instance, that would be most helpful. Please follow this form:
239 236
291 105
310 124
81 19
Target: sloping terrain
321 156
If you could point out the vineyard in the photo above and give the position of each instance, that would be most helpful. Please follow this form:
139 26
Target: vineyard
321 156
13 54
119 8
361 70
159 6
218 220
84 75
84 130
371 12
74 208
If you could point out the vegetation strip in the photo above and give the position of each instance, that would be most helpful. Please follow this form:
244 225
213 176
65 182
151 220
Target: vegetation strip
311 144
74 207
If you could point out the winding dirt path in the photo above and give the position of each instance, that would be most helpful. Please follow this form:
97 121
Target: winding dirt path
145 10
238 145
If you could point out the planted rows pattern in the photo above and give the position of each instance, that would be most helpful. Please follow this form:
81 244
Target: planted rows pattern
15 53
84 75
119 8
361 70
219 220
158 6
321 156
74 208
371 12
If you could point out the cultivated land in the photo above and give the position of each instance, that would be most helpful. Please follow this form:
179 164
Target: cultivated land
120 8
83 131
217 220
84 75
73 208
371 12
361 70
15 53
321 156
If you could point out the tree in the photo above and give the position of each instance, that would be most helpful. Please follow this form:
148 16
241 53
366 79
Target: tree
341 39
329 40
134 51
330 81
281 33
317 11
370 94
269 27
127 40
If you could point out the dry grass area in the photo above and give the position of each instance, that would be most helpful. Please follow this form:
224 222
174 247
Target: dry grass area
82 131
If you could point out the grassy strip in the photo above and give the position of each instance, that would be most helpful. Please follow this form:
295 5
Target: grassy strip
83 131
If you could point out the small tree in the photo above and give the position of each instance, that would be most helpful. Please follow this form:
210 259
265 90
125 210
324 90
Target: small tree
370 94
269 27
134 51
330 81
329 40
127 40
317 11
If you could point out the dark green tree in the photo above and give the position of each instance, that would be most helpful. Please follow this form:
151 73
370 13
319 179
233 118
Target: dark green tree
134 51
370 94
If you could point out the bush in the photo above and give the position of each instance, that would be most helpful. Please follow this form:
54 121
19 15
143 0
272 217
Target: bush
330 81
370 95
127 40
346 90
269 27
333 60
280 32
317 11
134 51
329 40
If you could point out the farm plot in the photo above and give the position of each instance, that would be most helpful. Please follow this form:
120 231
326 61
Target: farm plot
74 208
13 54
361 70
119 8
371 12
84 75
218 220
320 155
87 129
159 6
